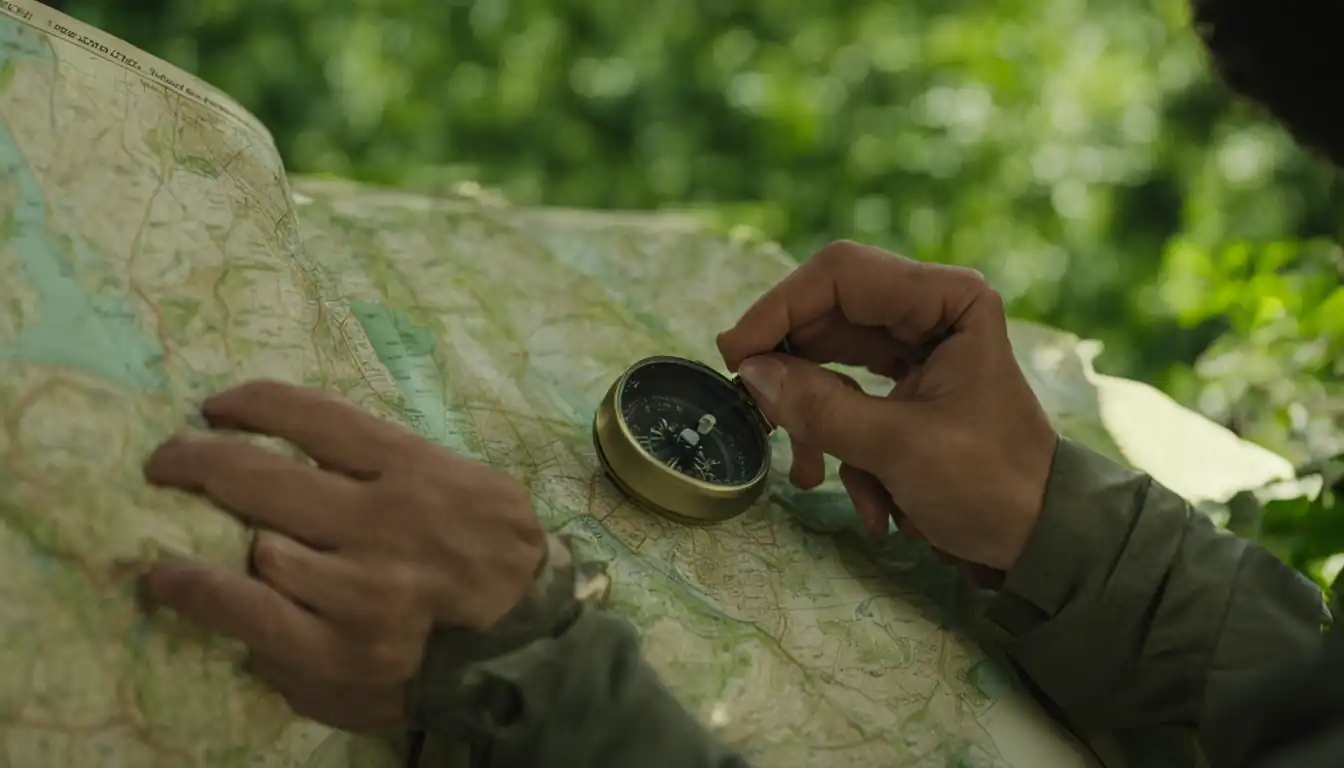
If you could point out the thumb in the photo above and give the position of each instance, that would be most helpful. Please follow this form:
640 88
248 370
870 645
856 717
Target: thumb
821 409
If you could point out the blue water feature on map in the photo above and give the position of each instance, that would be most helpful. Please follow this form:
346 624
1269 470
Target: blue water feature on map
407 351
99 334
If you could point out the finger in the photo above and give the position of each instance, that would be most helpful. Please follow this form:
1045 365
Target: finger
823 410
847 380
244 609
350 708
871 500
335 587
259 486
832 338
809 465
911 300
330 429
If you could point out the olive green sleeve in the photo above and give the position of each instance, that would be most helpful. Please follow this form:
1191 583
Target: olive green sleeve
1141 623
557 682
584 698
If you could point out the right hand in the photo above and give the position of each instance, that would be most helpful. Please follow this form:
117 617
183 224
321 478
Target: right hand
958 452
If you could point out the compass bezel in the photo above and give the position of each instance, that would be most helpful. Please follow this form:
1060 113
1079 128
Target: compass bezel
656 486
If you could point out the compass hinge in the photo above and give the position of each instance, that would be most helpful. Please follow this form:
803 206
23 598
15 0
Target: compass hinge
751 402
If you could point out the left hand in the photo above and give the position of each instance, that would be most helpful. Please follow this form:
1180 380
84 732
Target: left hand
357 558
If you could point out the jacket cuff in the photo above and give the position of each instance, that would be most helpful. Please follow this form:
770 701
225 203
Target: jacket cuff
1091 516
527 694
589 695
445 695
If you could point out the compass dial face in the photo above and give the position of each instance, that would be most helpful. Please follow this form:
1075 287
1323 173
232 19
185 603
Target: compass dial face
695 422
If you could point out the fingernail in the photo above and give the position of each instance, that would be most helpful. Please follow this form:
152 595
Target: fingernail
765 376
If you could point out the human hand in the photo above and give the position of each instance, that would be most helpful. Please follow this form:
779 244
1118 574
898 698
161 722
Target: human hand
358 557
958 452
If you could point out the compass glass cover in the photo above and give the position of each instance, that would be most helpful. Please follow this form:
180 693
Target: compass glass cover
694 421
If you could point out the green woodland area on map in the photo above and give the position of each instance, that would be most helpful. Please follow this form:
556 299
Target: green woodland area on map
1078 153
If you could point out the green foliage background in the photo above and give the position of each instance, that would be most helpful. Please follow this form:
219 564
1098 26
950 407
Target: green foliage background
1077 152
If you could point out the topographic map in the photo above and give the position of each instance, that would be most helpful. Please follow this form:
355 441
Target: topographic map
154 252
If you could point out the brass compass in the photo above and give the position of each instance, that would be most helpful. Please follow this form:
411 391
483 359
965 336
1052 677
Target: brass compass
684 441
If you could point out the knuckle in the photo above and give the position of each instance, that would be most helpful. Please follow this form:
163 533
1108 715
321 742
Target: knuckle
993 299
270 560
969 275
400 578
981 292
815 405
412 493
396 596
973 282
836 253
390 661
